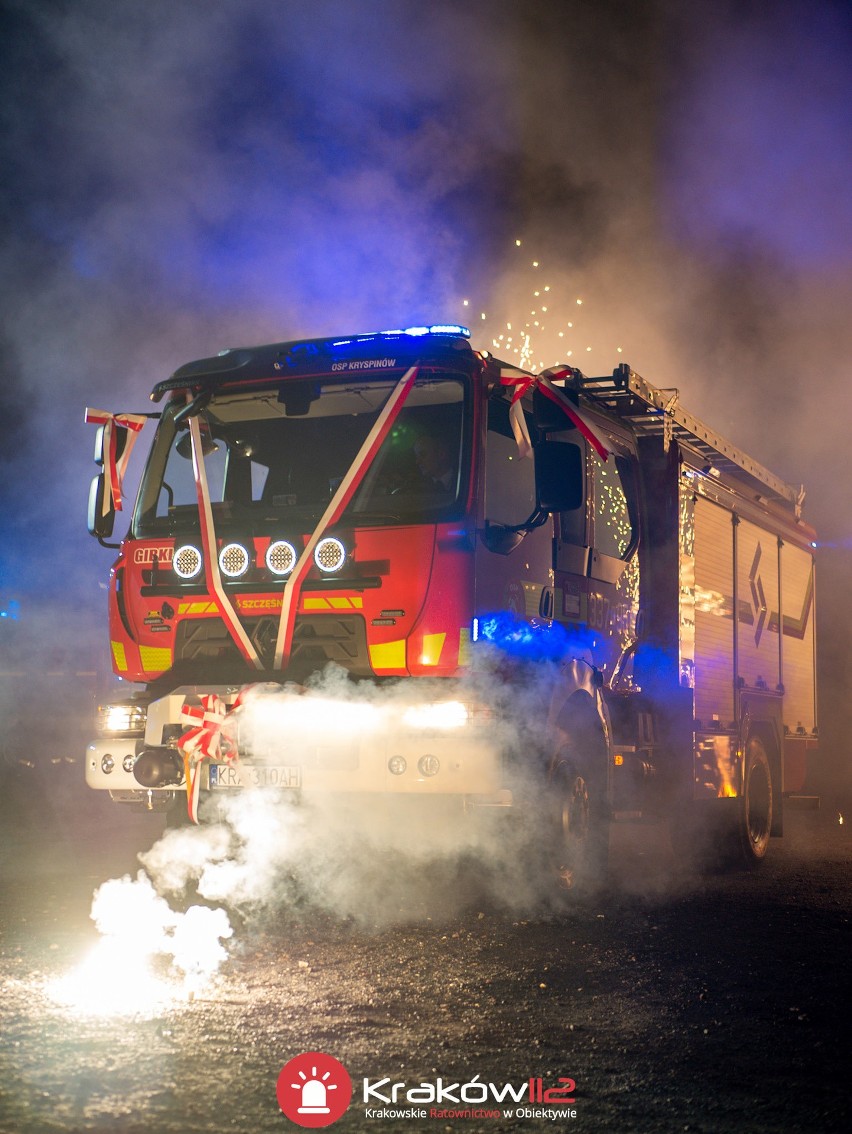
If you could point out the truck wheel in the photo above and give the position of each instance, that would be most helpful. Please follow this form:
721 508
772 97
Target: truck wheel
579 831
755 804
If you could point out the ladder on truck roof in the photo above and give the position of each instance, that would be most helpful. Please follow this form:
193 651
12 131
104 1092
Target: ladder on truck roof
657 413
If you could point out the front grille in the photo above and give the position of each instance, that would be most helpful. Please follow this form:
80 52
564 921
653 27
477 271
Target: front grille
317 640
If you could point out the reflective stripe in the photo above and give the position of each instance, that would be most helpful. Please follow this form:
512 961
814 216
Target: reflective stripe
120 656
345 602
388 655
464 645
155 658
205 607
432 646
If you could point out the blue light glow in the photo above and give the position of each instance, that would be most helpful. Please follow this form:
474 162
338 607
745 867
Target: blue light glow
438 329
533 639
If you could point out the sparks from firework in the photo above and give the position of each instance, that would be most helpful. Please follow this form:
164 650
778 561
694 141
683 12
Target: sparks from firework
551 322
149 957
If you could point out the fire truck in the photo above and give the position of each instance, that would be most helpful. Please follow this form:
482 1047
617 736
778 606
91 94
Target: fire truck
397 505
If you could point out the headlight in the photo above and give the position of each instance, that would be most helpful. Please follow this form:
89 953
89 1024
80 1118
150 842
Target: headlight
125 718
281 557
187 561
438 716
397 765
330 555
234 560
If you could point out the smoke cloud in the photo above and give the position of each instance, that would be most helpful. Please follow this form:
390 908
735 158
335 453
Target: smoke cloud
181 177
377 862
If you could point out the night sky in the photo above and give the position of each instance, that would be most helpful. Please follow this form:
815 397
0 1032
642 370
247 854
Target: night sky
180 176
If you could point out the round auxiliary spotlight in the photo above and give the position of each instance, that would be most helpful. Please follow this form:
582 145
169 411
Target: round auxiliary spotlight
234 560
397 765
187 561
429 765
330 555
281 557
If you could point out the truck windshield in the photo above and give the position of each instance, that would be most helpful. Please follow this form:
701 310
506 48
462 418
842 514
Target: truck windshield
281 453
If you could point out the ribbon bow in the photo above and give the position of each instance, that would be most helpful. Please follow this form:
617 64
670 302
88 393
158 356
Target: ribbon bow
203 742
115 466
523 383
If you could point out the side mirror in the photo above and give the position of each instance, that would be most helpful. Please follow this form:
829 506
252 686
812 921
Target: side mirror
558 476
100 524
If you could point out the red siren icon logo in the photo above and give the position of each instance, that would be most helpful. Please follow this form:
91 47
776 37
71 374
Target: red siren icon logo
314 1089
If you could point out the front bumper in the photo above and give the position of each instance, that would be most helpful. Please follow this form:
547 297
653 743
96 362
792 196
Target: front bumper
316 745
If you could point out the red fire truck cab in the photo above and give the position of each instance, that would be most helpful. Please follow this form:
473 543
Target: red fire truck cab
398 505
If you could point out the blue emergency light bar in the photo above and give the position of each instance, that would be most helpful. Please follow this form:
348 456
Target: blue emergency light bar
454 330
307 356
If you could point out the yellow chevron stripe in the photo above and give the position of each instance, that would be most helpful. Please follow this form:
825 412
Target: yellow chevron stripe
204 607
120 656
334 602
155 658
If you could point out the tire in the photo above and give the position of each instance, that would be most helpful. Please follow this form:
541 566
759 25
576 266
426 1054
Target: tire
726 834
579 830
754 821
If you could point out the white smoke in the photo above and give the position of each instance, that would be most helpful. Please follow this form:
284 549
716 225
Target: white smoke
148 956
375 858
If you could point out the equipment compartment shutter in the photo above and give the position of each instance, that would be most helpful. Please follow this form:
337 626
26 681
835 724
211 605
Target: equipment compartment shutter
797 594
714 613
757 593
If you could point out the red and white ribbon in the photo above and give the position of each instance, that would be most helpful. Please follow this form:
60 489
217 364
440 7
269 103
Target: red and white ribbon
544 382
208 545
204 740
345 491
115 467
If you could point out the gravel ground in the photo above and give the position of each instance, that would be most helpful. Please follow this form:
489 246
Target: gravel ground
675 1003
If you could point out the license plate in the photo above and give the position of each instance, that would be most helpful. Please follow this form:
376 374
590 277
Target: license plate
255 775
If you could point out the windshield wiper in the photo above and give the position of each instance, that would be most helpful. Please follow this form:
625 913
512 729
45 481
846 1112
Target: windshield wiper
372 517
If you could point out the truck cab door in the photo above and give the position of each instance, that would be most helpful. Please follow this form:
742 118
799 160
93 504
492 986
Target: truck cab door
595 555
516 576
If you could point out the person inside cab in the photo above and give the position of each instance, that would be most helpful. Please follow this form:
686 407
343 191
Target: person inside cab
435 463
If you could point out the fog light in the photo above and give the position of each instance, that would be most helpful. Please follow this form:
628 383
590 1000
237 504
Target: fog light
128 762
330 555
429 765
281 557
124 718
397 765
107 764
440 715
186 561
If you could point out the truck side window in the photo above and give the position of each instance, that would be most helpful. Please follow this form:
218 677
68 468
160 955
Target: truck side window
572 525
613 515
509 480
178 488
